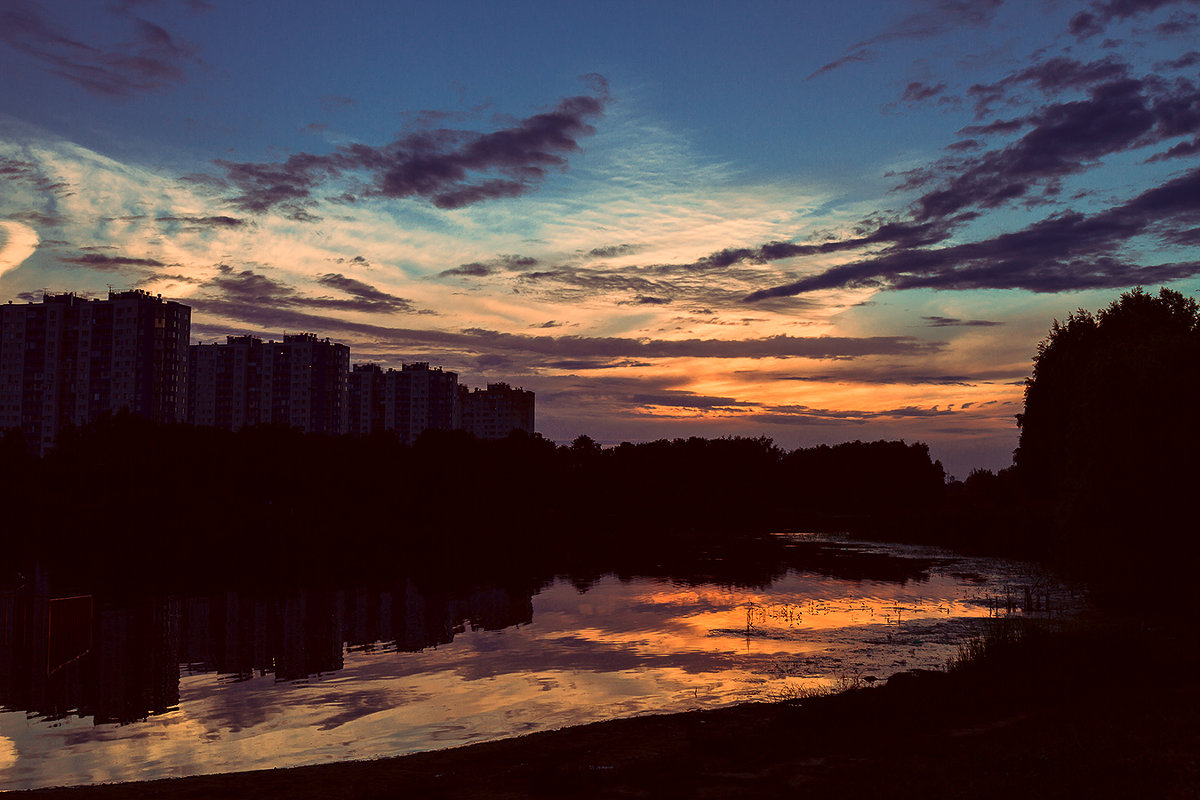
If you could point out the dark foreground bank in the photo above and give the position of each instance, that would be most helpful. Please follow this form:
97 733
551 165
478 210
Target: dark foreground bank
1101 711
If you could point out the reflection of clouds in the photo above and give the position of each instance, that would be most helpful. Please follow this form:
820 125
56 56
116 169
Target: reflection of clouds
355 705
8 753
621 648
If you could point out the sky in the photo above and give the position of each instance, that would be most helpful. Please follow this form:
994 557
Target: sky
817 222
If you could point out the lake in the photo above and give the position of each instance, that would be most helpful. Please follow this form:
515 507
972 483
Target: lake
98 688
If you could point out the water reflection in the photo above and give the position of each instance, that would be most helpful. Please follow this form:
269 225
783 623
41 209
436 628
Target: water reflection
117 688
119 660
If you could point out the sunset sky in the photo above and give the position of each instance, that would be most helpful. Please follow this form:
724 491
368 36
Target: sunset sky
814 221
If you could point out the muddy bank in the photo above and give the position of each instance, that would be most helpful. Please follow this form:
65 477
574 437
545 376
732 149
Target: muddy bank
1101 711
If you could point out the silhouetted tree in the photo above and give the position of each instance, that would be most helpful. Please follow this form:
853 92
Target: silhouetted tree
1109 441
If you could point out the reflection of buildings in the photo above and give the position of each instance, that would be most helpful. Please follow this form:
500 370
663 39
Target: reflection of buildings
69 360
300 382
497 411
125 664
119 668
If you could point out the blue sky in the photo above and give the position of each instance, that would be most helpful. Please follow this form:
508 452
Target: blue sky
812 221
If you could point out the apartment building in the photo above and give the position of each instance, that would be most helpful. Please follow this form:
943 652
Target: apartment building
302 382
70 359
497 411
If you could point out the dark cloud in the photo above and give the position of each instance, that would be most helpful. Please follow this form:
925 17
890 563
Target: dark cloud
37 218
895 233
372 299
1050 77
551 323
1178 24
683 399
963 145
859 56
1065 252
917 92
502 263
248 289
797 415
148 59
628 393
473 270
887 379
451 168
1064 139
298 213
934 18
257 300
158 277
1096 18
998 127
953 322
103 262
658 284
889 372
1084 25
614 250
821 347
1180 150
27 172
202 181
1190 59
205 222
583 365
580 281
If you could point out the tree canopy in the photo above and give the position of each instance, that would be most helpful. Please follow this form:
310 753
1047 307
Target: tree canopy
1109 436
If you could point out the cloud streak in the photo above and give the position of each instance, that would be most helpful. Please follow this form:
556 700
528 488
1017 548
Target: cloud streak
450 168
148 60
935 19
1064 139
253 290
1066 252
258 300
1101 13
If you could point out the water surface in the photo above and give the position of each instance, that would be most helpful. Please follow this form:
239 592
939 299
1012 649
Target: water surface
98 690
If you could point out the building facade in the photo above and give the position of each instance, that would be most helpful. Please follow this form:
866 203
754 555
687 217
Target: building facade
497 411
418 398
367 387
407 401
69 359
302 382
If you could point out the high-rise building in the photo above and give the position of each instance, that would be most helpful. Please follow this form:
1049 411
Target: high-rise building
70 359
497 411
408 401
301 382
367 388
418 398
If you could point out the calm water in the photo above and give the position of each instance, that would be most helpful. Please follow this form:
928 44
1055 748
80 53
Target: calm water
94 690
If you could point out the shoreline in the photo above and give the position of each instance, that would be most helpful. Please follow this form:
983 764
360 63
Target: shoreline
1053 714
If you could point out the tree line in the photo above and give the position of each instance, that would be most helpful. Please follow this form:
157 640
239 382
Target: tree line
1101 485
124 494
